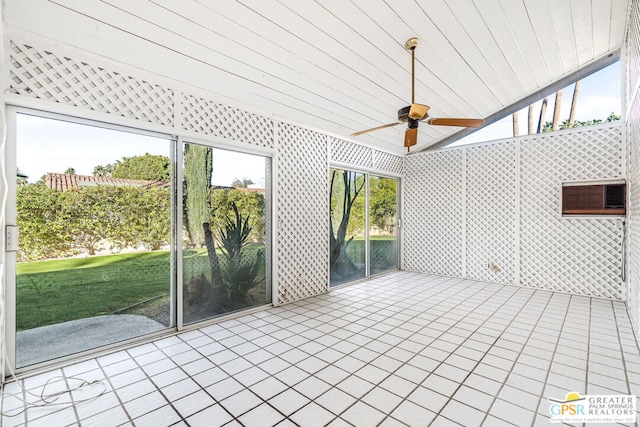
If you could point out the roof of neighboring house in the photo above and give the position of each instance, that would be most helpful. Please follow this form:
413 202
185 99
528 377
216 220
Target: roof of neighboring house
244 189
65 181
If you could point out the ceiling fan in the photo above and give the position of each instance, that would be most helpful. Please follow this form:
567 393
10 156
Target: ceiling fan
416 113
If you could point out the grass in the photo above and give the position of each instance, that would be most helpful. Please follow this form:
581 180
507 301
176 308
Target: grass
55 291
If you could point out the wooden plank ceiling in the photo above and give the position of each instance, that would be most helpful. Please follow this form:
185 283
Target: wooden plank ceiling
340 65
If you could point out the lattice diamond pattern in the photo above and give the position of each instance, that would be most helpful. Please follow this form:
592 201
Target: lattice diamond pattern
208 117
303 209
491 212
347 152
433 216
633 297
633 47
576 255
387 162
45 75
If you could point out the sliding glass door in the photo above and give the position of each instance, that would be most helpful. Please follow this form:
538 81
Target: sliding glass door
109 249
383 237
224 232
93 263
347 226
363 225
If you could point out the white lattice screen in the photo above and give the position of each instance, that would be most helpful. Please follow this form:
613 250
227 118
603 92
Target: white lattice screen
491 205
387 162
302 213
577 255
433 213
499 204
633 138
42 74
347 152
633 49
211 118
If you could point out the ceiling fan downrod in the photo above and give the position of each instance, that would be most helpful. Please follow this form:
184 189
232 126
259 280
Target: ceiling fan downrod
411 45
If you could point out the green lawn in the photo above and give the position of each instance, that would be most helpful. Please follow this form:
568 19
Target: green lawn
57 291
60 290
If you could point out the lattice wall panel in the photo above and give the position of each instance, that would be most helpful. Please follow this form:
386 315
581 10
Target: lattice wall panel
633 294
491 212
433 216
347 152
387 162
43 74
210 118
576 255
633 47
302 214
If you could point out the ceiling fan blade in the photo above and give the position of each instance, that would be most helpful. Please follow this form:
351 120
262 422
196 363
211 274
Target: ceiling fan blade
418 111
470 123
410 138
376 128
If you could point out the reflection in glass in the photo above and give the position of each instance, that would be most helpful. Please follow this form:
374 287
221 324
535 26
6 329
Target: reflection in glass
347 226
383 251
224 232
94 261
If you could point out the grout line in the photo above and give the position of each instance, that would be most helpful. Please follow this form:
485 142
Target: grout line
455 312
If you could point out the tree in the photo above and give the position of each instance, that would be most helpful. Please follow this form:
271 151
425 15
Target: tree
146 219
543 112
242 183
92 215
556 110
612 117
104 171
574 104
198 167
345 187
530 120
382 202
42 233
148 167
249 203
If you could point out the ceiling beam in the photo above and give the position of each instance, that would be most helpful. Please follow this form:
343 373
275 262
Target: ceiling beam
583 72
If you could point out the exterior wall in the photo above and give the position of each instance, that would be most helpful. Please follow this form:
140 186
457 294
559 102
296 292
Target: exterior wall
58 79
492 212
632 65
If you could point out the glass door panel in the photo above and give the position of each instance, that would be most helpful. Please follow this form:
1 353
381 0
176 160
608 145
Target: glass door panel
94 216
383 238
225 232
347 226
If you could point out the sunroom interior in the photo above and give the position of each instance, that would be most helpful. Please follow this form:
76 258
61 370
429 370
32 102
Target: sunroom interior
332 279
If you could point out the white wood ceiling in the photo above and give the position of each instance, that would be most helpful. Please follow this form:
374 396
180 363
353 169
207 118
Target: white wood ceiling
340 65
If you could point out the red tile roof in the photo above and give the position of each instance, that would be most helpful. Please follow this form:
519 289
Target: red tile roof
65 181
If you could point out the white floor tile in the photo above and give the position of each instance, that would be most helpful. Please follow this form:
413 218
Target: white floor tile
392 350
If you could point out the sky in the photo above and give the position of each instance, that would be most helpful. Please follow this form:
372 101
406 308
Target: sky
46 145
599 96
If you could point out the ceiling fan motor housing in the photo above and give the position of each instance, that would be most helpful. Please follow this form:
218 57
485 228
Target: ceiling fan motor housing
403 115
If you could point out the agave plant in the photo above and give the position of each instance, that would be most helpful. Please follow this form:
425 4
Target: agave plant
240 271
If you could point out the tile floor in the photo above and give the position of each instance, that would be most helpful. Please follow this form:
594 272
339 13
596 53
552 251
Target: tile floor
402 349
